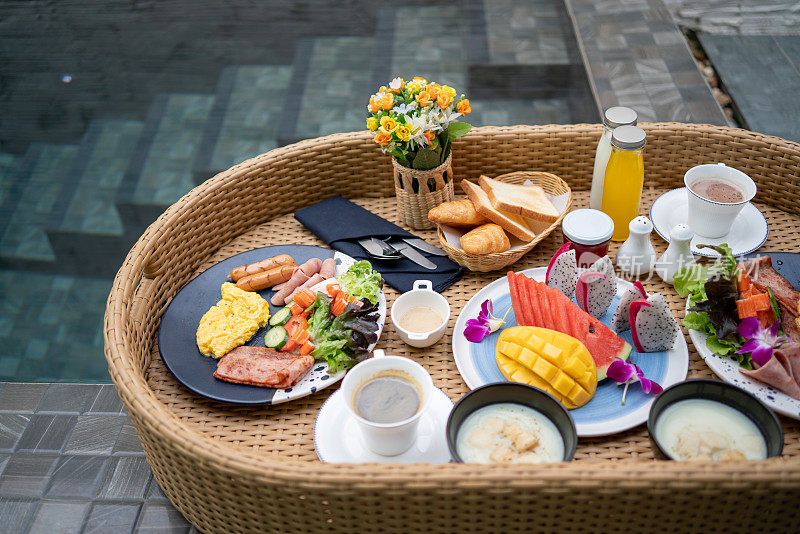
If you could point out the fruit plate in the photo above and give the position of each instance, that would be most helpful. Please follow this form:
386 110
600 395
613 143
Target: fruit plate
788 265
604 414
177 341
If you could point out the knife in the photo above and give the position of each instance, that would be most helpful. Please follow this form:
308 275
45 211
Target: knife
375 249
424 246
410 253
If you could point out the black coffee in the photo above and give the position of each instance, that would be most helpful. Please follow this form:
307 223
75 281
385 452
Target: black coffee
387 399
718 191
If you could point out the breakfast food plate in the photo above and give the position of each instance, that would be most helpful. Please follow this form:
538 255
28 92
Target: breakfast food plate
337 437
177 341
748 232
604 414
786 264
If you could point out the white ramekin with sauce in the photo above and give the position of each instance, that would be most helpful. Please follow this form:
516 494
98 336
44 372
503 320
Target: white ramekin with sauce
420 316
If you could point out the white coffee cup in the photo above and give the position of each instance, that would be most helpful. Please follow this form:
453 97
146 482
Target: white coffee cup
387 439
422 294
708 218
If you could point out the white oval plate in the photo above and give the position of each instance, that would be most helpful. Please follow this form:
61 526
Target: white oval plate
337 438
728 371
748 232
604 414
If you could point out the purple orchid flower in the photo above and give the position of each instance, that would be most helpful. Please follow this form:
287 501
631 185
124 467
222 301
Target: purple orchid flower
485 324
627 373
760 341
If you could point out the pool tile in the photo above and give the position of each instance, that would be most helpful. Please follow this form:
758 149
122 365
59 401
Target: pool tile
128 441
46 433
94 434
154 491
26 474
76 476
126 477
71 398
106 401
117 518
59 517
21 398
15 513
11 428
161 518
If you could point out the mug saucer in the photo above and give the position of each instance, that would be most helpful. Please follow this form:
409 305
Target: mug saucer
337 437
747 234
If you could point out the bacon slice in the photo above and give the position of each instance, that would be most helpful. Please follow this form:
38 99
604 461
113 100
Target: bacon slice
262 366
764 275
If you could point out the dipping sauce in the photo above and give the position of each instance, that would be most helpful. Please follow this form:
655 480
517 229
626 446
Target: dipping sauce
389 397
700 429
420 319
718 191
590 232
508 433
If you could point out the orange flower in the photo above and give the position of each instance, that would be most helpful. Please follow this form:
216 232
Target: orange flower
382 138
373 105
424 99
463 106
433 89
429 135
385 100
444 99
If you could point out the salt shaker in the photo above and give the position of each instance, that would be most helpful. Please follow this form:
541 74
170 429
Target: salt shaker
636 256
678 253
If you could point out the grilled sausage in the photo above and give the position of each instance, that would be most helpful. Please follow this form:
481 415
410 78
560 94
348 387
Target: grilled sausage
265 279
260 266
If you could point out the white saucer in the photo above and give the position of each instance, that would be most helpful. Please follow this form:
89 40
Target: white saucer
337 438
748 232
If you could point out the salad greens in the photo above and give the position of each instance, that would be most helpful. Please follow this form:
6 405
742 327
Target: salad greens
342 341
362 282
712 292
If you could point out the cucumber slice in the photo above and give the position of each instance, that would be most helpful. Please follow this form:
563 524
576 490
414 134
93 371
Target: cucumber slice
280 317
276 337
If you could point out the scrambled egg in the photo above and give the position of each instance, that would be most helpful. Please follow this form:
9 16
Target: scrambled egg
232 321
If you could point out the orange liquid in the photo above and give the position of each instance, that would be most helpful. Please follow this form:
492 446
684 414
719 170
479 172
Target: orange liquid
622 190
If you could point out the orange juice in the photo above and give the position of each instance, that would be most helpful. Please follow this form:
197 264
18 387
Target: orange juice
622 190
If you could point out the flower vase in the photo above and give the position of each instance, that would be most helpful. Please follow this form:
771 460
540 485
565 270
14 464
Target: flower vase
418 191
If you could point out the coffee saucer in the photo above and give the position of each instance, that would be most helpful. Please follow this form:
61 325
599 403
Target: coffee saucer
748 232
337 437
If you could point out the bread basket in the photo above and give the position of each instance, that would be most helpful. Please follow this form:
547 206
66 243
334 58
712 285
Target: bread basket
552 185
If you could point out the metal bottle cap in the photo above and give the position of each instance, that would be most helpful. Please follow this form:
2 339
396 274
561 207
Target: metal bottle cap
619 116
628 137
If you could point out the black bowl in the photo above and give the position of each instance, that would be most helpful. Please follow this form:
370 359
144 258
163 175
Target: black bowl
764 418
515 393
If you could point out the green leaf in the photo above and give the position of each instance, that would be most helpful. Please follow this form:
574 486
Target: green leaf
457 129
396 152
426 159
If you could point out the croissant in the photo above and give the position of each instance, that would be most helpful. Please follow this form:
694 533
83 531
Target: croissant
485 239
456 213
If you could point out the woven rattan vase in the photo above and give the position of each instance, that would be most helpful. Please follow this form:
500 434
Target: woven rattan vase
413 208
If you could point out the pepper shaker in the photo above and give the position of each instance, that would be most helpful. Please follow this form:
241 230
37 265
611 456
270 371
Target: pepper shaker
678 253
636 256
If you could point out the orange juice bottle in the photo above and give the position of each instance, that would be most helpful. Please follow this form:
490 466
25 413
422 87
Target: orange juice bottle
622 190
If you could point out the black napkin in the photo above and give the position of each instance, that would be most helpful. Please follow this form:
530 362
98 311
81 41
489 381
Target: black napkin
340 223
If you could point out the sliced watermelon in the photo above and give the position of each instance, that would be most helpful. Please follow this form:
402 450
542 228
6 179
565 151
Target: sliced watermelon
603 344
513 290
536 312
525 297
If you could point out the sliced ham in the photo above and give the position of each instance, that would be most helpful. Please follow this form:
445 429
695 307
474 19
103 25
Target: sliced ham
299 277
780 371
262 366
311 282
328 268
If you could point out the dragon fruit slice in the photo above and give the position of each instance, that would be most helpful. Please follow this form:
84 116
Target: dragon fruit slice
596 287
621 320
652 325
562 271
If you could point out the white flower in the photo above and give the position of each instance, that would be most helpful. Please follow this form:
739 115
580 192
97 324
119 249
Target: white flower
419 125
405 109
444 117
396 83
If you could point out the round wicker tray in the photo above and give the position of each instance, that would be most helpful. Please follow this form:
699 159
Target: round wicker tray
239 469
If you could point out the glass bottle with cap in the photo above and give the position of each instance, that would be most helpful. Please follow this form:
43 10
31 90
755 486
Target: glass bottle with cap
590 233
622 187
612 118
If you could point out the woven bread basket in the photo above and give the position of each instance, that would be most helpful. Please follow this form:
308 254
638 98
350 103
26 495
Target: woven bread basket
552 185
254 468
413 208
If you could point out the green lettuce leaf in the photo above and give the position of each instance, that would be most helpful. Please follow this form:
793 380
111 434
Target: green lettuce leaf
362 282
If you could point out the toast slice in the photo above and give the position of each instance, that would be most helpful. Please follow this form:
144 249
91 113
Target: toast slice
527 201
513 224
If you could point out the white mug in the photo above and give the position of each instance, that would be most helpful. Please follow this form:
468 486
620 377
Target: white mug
387 439
422 294
714 219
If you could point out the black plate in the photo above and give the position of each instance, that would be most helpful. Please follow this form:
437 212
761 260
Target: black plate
177 334
786 263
